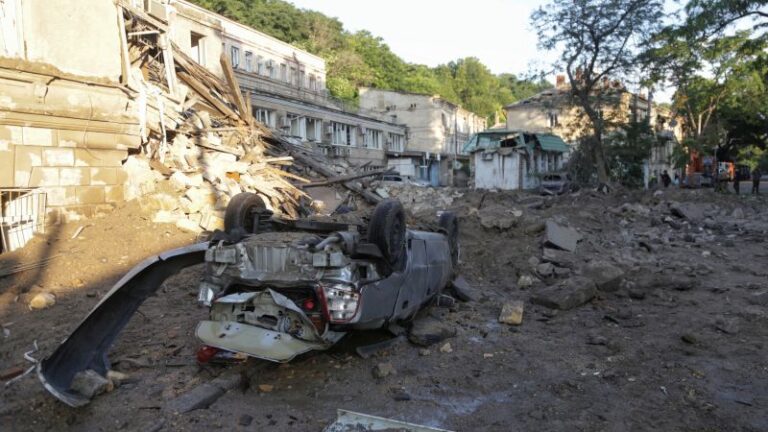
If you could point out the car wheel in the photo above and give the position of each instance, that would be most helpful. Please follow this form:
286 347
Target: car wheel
387 231
240 212
449 223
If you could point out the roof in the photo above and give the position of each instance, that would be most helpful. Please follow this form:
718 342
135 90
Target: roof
551 142
494 137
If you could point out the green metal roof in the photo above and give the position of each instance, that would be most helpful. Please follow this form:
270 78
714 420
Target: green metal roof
552 143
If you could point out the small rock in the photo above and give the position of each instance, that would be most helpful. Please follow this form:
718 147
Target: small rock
400 395
187 225
596 339
245 420
525 281
566 295
446 348
545 269
89 383
738 213
689 338
607 276
533 261
383 370
462 290
635 294
116 378
512 313
424 352
487 355
727 325
42 301
266 388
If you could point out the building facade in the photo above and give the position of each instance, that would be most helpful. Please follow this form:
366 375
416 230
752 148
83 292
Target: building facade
286 87
551 111
437 131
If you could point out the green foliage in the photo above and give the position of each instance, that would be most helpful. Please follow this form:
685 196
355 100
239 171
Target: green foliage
362 59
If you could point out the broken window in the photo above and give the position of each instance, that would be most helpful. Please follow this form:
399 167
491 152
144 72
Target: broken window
235 54
341 134
372 139
314 129
265 116
297 125
248 61
396 142
196 47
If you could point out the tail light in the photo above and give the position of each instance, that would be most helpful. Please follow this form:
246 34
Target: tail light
206 353
341 302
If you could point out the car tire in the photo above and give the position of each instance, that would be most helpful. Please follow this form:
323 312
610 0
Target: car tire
386 230
239 215
449 224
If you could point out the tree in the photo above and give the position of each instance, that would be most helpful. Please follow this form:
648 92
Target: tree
599 40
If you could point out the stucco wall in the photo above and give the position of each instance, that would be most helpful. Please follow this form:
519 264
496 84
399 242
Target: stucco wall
79 37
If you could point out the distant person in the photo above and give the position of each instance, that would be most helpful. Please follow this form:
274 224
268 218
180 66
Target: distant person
736 180
666 179
756 181
676 181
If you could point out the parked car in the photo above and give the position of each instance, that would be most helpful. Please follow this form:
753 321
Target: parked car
555 183
277 288
399 179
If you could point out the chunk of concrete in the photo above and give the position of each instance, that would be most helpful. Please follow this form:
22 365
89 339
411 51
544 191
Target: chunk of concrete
89 383
42 301
690 211
607 276
428 331
567 294
462 290
512 313
561 237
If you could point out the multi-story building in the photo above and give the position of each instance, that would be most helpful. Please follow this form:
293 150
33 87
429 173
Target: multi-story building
551 111
286 86
437 131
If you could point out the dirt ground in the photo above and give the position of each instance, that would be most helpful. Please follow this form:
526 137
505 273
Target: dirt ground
656 354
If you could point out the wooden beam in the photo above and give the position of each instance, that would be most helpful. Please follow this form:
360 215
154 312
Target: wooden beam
203 91
234 89
346 178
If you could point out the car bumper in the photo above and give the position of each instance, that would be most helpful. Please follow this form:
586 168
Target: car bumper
254 341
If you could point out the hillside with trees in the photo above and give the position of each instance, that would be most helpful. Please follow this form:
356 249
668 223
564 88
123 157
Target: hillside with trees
361 59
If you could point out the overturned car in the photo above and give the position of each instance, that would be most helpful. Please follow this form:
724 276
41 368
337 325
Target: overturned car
277 288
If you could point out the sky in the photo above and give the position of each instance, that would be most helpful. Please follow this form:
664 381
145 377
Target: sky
434 32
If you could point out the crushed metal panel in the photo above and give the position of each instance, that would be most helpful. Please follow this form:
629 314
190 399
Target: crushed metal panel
350 421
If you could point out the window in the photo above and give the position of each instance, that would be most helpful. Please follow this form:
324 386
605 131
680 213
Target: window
372 139
341 134
297 125
553 120
271 70
283 72
314 129
312 83
265 116
248 61
302 79
196 48
396 142
235 54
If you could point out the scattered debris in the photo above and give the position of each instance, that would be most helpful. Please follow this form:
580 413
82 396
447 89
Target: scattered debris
462 289
383 370
567 294
42 301
607 276
347 421
89 383
512 313
561 237
446 348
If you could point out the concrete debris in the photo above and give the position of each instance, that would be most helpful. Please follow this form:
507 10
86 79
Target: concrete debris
525 281
512 313
42 301
688 210
567 294
561 237
89 383
446 348
462 289
607 276
383 370
347 421
559 258
428 331
545 269
423 199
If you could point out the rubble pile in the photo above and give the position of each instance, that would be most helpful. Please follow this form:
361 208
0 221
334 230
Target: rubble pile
421 199
199 135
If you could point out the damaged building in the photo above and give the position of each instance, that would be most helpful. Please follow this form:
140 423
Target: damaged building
551 111
437 131
170 91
